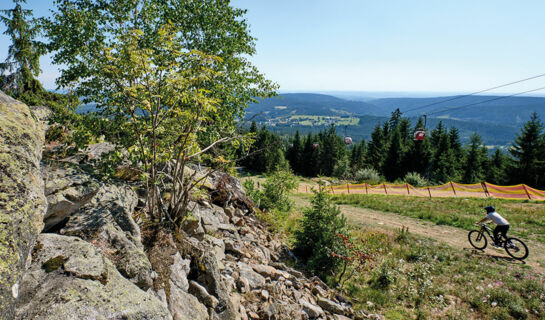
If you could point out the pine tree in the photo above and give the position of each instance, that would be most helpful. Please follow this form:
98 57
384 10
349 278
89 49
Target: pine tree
296 152
392 167
376 149
317 236
457 149
394 119
495 168
528 151
23 60
475 160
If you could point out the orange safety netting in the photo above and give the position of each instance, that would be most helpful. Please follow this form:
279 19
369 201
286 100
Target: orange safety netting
449 189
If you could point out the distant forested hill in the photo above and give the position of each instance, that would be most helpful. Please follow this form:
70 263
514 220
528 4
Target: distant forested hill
497 122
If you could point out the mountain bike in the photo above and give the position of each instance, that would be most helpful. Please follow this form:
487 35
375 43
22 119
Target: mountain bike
513 246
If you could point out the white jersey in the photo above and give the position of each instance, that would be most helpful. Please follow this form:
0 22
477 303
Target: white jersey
499 220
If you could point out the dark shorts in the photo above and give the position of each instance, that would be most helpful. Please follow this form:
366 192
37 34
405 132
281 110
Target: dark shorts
500 229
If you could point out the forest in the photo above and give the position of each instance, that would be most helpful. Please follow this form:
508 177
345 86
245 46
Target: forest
393 155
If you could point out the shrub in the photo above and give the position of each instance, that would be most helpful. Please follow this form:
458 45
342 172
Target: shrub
317 238
274 195
368 175
415 179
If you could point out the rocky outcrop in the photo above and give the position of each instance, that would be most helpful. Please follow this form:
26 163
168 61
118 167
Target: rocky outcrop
101 214
22 200
70 279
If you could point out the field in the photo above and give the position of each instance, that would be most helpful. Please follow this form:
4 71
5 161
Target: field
527 218
415 277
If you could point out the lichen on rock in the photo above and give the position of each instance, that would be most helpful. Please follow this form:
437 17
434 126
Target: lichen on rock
22 200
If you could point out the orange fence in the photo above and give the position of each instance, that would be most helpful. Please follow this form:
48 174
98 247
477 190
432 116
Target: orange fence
449 189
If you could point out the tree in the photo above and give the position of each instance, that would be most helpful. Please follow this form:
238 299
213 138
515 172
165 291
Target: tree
475 160
80 29
376 149
419 154
528 151
393 167
295 153
23 60
140 62
496 168
317 239
332 149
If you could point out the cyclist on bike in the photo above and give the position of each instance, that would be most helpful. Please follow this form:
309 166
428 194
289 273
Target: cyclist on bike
502 224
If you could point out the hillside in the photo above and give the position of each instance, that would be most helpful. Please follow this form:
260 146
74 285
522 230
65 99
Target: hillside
497 122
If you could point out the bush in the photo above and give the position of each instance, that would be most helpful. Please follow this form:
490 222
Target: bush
415 179
317 238
368 175
274 195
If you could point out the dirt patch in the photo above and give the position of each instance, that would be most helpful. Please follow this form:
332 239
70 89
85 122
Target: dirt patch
454 237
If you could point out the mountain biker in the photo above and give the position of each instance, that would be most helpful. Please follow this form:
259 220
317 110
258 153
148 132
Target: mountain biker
502 224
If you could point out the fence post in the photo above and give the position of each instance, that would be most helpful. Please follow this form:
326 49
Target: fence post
486 194
306 189
331 187
452 186
527 193
429 192
366 190
385 190
407 185
348 188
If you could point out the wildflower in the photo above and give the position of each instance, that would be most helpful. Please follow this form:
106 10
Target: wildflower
493 304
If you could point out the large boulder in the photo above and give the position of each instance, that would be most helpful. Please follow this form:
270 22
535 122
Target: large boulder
22 199
70 279
106 221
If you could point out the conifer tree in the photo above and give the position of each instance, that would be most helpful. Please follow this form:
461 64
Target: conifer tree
495 168
528 151
392 167
23 60
376 150
475 160
295 153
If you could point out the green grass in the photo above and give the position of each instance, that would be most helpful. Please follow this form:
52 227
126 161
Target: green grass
527 219
414 278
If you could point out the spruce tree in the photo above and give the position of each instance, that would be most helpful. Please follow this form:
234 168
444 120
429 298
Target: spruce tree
475 160
23 60
392 167
376 149
495 168
295 153
528 151
418 157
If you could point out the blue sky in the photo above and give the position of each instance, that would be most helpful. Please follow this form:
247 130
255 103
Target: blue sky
407 46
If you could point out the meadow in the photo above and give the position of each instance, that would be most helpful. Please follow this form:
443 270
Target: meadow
527 218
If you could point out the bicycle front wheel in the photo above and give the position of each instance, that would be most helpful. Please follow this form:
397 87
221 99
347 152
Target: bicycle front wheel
516 248
477 239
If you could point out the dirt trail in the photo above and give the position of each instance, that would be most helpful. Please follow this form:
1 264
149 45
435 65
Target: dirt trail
454 237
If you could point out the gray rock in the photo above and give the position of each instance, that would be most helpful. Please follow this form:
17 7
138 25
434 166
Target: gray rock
311 310
67 190
179 271
255 280
70 279
22 199
204 297
106 221
331 306
184 306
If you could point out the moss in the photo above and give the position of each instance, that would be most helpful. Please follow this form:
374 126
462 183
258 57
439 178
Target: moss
54 264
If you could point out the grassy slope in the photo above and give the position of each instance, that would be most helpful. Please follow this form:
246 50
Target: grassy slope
527 218
416 278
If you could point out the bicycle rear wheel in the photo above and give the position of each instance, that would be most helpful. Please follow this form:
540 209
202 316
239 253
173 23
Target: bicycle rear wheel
477 239
516 248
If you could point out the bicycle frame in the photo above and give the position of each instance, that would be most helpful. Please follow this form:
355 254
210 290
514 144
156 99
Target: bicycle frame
486 228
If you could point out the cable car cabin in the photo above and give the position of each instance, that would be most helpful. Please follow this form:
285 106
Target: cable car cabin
419 134
315 146
347 140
